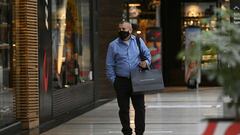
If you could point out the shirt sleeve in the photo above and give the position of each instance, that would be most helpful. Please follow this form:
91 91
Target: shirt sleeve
110 64
145 52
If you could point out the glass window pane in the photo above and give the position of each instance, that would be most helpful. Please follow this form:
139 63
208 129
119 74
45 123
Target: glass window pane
71 44
85 58
6 95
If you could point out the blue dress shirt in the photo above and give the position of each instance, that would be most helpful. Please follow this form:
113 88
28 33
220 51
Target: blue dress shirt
122 58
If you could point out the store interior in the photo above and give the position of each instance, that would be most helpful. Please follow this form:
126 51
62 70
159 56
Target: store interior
153 21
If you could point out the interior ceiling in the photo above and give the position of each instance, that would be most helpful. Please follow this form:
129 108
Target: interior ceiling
148 6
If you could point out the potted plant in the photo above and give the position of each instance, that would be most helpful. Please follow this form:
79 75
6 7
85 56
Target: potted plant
224 40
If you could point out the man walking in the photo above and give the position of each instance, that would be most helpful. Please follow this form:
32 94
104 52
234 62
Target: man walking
123 56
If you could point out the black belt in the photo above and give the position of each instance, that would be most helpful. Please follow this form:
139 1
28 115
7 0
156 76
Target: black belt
121 77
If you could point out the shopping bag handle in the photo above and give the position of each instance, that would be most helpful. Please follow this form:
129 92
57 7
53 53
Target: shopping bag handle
148 67
144 69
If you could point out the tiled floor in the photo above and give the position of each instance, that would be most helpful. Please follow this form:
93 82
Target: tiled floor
168 113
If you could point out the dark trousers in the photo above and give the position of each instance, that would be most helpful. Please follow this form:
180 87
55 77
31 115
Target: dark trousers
123 89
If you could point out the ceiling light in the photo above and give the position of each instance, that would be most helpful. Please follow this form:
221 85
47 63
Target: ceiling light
134 5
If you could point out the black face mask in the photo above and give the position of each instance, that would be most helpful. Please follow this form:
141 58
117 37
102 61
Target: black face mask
123 34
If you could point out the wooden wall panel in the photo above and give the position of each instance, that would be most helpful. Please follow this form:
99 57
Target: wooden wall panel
24 64
109 14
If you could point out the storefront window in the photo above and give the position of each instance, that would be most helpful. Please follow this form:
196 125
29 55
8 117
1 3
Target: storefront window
6 95
71 43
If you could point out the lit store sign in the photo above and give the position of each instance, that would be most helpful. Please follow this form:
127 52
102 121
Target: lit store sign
236 15
235 6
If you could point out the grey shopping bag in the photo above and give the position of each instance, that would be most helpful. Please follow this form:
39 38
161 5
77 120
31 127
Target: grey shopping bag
147 81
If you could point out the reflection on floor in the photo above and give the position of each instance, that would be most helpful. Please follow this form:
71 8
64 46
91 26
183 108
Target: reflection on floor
167 113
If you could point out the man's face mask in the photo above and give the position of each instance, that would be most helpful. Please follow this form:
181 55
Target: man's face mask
123 34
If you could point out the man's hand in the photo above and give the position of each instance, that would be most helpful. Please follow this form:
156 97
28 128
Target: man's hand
143 64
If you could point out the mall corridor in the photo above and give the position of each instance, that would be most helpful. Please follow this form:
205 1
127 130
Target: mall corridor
176 111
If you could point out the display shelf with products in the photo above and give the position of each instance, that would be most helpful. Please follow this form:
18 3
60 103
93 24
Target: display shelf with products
198 22
208 60
199 13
